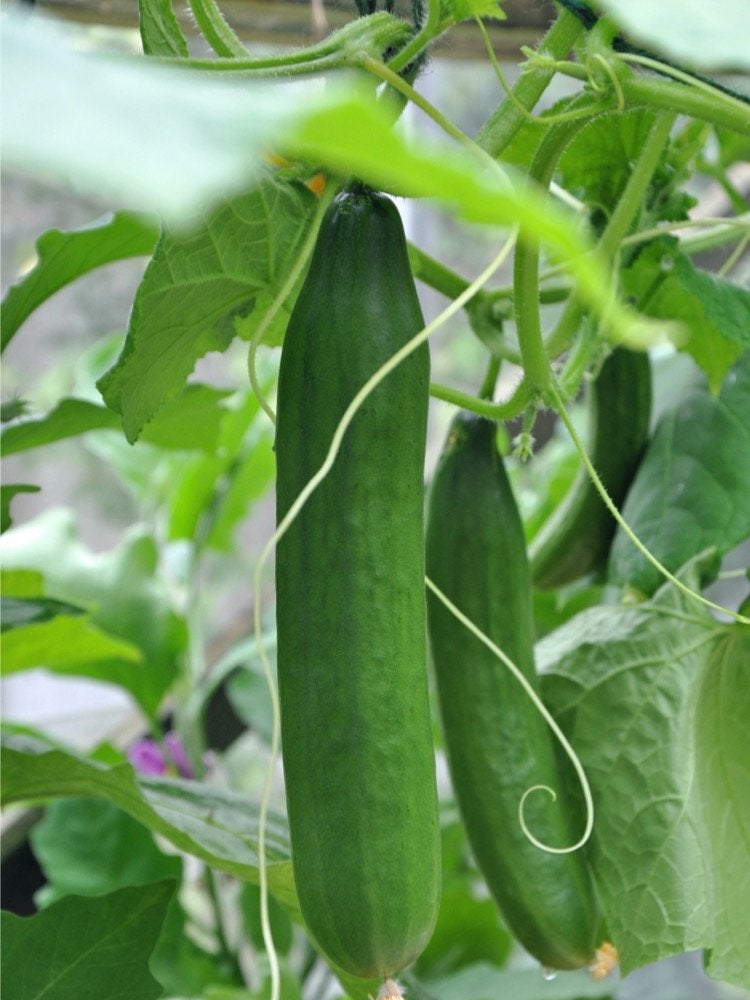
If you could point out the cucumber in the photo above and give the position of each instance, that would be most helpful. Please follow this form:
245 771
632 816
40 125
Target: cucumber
352 650
575 540
498 745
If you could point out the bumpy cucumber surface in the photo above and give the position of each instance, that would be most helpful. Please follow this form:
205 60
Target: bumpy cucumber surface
352 657
576 538
497 743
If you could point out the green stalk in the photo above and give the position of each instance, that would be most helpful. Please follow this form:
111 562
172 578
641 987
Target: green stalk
484 407
435 274
704 103
526 263
216 30
507 119
621 221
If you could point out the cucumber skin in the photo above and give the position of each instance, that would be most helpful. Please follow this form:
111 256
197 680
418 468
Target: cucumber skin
498 745
576 538
352 648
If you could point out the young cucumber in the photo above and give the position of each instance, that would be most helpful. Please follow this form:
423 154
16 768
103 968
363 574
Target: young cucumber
575 540
498 745
352 657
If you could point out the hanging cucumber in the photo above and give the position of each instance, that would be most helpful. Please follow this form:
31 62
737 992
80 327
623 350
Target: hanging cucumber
575 539
497 743
352 658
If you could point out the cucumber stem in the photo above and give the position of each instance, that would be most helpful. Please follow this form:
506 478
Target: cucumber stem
498 131
215 29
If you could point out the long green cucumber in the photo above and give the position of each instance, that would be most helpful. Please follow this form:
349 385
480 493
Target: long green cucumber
352 649
497 743
576 538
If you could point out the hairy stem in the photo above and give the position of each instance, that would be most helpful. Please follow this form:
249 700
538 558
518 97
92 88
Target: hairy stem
502 125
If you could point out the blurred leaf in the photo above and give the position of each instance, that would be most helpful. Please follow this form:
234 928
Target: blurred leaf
468 930
191 421
25 583
281 925
164 139
89 847
160 31
83 947
690 492
63 256
693 32
12 409
20 611
214 824
69 418
715 312
182 968
121 590
69 645
7 493
655 700
210 494
198 287
486 982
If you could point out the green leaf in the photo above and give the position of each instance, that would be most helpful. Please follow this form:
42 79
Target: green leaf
192 421
698 34
212 493
690 492
24 583
89 847
655 701
7 492
182 968
68 419
217 825
714 312
597 163
86 947
120 589
63 256
467 10
160 31
483 981
20 611
198 288
69 645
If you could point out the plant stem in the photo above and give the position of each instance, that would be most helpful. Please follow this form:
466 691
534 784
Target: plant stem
484 407
433 27
435 274
526 264
622 219
216 30
704 103
507 119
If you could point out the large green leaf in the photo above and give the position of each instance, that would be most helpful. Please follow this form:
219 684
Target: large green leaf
70 644
656 701
690 492
714 312
120 589
217 825
86 948
64 256
199 287
68 419
89 847
703 35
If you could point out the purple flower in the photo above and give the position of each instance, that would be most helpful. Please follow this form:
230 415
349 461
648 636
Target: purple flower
168 757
